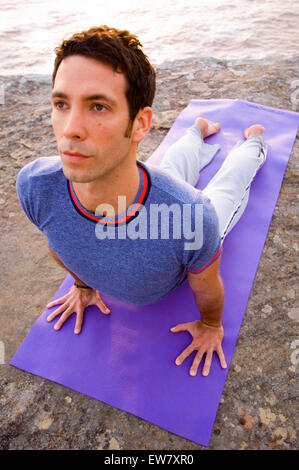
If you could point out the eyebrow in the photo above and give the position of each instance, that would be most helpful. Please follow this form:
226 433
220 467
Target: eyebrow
95 97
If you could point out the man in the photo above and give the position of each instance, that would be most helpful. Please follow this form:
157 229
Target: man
103 89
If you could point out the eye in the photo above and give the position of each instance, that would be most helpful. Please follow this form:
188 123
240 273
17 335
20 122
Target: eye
99 107
59 104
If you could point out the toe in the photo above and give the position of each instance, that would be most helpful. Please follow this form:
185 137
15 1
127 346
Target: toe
254 129
207 127
213 127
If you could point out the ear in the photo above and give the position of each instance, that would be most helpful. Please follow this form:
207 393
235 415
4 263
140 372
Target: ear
142 124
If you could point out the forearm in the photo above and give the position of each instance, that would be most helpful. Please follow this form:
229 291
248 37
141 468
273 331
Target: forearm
58 260
210 303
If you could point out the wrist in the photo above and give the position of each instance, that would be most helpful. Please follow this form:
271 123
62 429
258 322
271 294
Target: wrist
80 285
209 324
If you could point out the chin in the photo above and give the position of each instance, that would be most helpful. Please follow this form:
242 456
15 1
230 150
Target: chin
76 175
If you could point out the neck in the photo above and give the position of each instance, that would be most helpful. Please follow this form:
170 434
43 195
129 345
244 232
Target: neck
123 181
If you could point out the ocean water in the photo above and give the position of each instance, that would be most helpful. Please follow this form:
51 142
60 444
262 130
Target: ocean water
169 30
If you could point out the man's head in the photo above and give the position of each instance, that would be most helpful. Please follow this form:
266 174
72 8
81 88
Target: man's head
103 88
123 52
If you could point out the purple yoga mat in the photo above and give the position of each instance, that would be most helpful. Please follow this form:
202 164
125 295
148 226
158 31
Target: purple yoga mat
127 359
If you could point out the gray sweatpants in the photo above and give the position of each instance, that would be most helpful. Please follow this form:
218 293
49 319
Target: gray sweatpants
229 188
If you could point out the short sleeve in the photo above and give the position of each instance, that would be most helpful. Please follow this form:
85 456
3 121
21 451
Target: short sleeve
23 187
197 260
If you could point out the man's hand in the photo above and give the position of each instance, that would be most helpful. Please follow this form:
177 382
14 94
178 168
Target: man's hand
206 340
75 301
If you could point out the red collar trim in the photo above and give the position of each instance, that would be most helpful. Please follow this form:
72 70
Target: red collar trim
132 214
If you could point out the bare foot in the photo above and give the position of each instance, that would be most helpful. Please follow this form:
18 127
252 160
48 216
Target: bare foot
255 129
207 127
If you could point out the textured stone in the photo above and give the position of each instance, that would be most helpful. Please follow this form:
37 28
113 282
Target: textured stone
257 409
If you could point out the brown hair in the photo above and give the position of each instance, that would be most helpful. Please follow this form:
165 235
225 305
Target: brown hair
123 52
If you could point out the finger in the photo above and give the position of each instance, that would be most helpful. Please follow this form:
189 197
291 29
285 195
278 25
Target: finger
103 307
63 318
56 312
79 321
221 357
180 359
180 327
196 362
208 362
56 302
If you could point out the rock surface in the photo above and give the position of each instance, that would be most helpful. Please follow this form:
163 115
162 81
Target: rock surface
257 409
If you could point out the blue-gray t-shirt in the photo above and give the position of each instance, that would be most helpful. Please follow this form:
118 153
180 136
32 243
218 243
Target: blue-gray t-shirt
138 256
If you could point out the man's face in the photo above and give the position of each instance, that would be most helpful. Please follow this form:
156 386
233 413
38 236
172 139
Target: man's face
90 116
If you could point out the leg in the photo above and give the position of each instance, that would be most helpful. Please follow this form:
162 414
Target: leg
186 157
229 188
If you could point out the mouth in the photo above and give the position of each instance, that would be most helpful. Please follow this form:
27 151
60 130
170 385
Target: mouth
74 156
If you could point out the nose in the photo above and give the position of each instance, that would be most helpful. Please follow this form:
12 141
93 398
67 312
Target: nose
74 127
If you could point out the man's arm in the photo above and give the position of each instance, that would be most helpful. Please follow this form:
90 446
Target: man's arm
208 292
58 260
208 332
75 301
